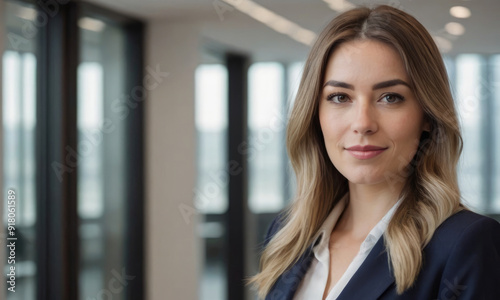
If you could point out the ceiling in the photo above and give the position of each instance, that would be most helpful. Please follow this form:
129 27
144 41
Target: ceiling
223 26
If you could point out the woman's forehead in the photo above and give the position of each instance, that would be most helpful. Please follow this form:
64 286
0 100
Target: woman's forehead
364 59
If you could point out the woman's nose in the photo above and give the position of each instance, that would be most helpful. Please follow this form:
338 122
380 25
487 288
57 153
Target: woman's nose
364 121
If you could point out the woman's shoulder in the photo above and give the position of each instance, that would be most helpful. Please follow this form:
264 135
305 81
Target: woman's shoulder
465 254
466 220
467 227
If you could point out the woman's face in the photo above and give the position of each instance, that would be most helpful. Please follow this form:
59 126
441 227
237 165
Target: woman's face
370 118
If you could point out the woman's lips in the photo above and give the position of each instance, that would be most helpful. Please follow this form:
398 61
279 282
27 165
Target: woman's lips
365 152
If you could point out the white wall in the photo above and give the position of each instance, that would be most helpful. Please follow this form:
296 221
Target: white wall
172 254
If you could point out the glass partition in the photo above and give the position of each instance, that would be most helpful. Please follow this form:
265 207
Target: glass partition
266 124
19 138
103 107
469 99
495 97
211 192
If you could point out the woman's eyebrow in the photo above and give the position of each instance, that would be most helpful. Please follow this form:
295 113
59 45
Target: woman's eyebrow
389 83
380 85
339 84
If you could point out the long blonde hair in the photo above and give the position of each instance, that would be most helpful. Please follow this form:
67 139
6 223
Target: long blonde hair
430 193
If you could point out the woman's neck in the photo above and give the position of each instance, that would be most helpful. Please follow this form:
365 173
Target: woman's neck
367 205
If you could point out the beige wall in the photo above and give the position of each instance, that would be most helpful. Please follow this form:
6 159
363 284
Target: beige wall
172 254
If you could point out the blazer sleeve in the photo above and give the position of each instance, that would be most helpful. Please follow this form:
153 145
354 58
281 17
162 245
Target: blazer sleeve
472 270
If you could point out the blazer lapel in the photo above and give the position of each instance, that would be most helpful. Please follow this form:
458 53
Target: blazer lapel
288 283
372 278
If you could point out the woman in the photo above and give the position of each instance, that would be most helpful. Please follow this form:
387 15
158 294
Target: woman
374 140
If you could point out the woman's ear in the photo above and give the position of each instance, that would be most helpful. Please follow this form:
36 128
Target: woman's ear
427 124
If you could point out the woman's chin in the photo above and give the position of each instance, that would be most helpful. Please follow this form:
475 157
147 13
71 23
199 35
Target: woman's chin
366 179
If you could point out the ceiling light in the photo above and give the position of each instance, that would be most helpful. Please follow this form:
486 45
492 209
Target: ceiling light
339 5
91 24
273 20
443 44
26 13
305 36
455 28
283 25
261 14
461 12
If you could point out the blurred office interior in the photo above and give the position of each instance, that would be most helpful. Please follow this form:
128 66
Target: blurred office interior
145 140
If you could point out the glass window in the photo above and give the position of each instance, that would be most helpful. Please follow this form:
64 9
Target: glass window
211 126
294 75
469 101
211 192
266 151
495 97
19 135
449 63
103 106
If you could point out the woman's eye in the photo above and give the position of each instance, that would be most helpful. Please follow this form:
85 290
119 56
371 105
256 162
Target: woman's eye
392 98
337 98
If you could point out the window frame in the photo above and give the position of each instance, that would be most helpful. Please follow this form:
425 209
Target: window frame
57 239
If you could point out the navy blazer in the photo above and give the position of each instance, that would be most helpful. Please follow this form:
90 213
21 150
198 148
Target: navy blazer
462 261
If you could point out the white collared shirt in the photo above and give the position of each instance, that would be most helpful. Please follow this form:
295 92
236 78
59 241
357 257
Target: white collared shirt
314 282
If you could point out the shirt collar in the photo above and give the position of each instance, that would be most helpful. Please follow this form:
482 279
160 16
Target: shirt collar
322 238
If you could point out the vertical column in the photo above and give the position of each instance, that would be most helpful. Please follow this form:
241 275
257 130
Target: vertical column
237 133
57 157
134 250
172 257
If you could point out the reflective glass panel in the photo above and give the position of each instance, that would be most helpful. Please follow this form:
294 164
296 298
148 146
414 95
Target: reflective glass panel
470 102
211 126
103 107
211 192
495 97
19 135
266 149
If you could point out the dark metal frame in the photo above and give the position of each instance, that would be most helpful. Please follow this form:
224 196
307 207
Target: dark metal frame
237 67
134 253
57 228
57 231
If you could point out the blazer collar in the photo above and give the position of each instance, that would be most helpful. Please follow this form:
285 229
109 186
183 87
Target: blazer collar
373 276
371 279
288 283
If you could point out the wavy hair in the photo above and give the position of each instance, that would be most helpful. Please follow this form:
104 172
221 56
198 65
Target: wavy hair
430 193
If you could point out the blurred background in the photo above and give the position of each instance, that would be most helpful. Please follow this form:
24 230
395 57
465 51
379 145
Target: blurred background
145 139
